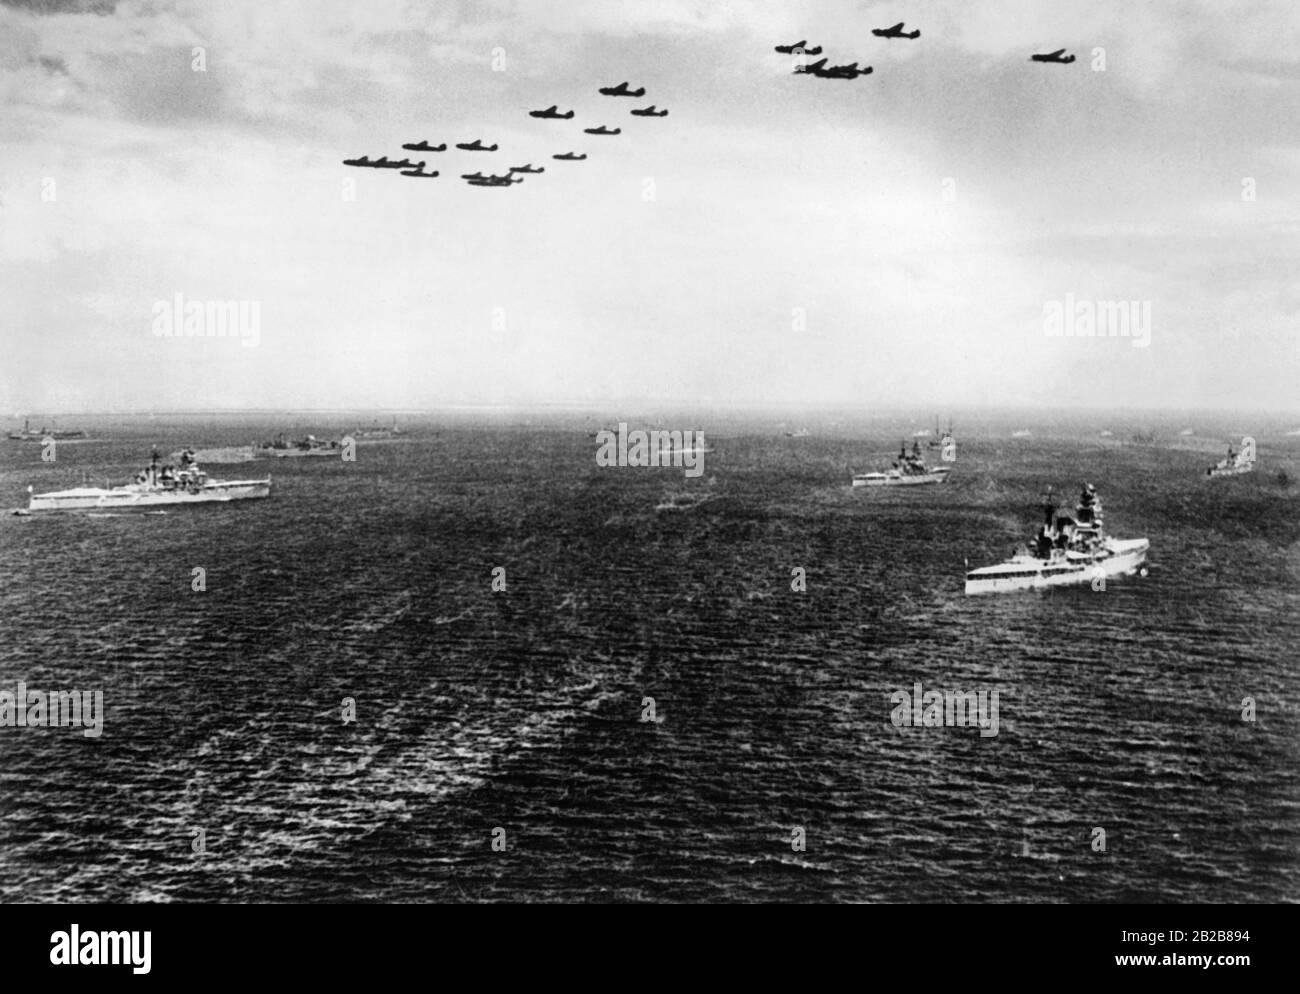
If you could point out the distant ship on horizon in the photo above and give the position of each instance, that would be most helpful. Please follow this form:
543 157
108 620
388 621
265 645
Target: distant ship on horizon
28 434
379 431
306 447
944 441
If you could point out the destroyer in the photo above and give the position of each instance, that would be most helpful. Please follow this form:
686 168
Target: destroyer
1236 463
909 469
1066 550
153 487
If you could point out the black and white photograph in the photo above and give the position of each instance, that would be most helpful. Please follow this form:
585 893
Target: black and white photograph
856 463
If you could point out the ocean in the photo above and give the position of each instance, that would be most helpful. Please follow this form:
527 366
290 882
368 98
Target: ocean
498 750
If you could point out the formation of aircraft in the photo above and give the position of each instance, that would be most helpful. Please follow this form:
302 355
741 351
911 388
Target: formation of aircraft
1053 57
821 70
383 163
621 91
895 32
515 174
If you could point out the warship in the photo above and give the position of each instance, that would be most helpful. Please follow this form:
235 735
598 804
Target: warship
308 446
940 437
1236 463
1066 550
378 431
28 434
153 487
222 454
909 469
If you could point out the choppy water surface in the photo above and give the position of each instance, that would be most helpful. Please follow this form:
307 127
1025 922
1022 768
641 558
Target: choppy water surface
522 710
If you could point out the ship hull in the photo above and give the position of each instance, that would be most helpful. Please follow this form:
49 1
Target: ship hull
1234 471
298 453
143 498
1126 557
886 480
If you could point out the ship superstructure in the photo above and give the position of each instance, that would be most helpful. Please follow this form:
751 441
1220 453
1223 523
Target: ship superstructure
1236 463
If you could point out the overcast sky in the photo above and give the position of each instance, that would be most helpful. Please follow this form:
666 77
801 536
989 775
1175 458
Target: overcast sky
672 264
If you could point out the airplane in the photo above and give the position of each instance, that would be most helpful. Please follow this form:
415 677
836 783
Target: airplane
602 130
472 176
423 146
417 172
895 32
798 49
621 91
495 181
552 112
813 67
363 161
851 71
476 146
570 156
649 112
1053 57
527 169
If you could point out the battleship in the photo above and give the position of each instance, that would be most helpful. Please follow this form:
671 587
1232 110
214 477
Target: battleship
304 447
909 469
1067 550
1236 463
28 434
153 487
